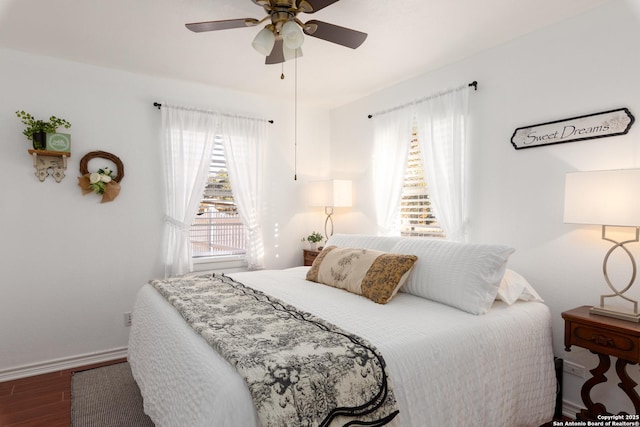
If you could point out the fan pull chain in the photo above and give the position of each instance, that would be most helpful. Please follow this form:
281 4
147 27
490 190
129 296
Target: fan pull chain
282 72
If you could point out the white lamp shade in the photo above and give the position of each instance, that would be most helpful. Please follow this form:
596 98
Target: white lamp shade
603 197
264 41
292 36
291 53
335 193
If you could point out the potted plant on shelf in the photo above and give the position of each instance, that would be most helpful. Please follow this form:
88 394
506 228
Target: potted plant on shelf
37 130
313 240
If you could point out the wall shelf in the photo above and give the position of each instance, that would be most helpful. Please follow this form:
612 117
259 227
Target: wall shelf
47 163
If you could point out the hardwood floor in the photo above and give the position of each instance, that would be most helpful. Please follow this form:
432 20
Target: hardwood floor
42 400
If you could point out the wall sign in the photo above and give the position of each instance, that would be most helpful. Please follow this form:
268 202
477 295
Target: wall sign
599 125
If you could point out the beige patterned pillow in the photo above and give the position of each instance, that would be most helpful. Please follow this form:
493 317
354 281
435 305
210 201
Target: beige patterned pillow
373 274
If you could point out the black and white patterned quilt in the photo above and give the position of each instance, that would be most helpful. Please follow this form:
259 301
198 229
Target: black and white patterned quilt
300 369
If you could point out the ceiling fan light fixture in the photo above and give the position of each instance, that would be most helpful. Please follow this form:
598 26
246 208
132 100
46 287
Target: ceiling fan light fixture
292 35
291 53
286 32
264 41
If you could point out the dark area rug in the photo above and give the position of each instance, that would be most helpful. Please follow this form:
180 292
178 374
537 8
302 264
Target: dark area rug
107 397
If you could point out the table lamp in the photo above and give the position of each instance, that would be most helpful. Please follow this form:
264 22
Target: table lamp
607 198
335 193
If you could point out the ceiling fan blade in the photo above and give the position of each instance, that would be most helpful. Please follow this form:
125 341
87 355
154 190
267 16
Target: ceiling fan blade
334 33
199 27
316 5
277 55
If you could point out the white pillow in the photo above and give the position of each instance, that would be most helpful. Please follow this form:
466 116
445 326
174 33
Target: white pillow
465 276
514 287
364 241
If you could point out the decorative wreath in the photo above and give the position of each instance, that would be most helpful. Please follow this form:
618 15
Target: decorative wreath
102 182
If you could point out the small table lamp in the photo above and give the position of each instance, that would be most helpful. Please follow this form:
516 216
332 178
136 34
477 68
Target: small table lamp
336 193
607 198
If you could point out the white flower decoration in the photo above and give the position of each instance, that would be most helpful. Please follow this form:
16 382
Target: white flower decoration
94 177
105 178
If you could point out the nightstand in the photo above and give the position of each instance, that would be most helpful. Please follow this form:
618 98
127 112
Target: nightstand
309 255
605 337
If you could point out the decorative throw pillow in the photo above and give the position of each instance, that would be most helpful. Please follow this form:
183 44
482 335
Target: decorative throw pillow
465 276
373 274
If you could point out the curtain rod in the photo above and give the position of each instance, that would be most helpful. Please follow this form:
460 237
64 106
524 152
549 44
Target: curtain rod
159 105
473 84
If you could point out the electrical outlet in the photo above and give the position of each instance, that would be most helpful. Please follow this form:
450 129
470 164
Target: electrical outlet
574 369
127 319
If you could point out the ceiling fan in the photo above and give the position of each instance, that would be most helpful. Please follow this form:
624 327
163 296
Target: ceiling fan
282 37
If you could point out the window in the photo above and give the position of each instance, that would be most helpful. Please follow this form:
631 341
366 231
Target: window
416 216
217 230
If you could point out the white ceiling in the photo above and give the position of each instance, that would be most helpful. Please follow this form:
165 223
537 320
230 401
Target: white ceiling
406 38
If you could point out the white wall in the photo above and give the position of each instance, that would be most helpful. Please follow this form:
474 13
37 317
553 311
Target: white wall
584 65
72 266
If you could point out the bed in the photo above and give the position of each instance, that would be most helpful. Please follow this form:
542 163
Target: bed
447 365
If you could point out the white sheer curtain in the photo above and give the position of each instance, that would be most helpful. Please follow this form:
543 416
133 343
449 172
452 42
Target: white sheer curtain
442 121
244 140
391 139
187 144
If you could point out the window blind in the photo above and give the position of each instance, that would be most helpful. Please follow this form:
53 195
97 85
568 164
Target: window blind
416 212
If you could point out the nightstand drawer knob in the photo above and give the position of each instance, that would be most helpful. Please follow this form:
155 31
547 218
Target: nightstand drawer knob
602 340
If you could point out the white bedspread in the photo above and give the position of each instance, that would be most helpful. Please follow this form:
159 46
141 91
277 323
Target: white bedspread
447 367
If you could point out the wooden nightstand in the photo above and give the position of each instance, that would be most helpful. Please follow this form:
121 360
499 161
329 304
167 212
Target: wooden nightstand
605 337
309 255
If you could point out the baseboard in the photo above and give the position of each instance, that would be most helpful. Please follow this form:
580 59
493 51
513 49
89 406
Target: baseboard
61 364
570 409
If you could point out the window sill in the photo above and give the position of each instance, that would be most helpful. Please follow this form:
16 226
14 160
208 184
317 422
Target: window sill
227 264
